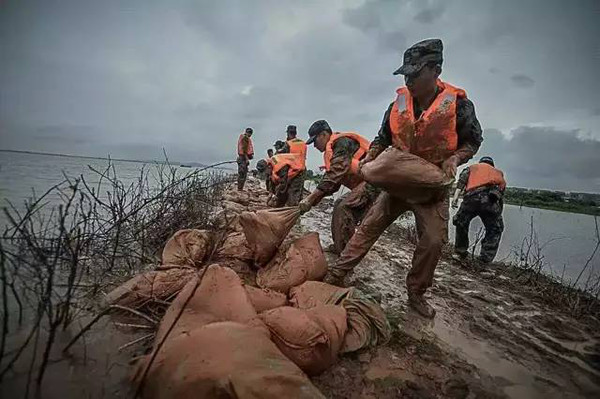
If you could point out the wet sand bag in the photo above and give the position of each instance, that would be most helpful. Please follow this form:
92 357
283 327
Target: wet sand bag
367 324
235 246
225 360
219 297
264 299
303 260
239 197
265 230
406 176
144 287
187 247
310 338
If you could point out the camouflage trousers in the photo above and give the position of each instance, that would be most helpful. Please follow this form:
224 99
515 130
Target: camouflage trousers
242 172
292 195
490 211
348 212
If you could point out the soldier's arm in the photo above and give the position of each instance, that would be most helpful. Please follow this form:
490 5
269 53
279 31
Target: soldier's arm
341 160
468 129
383 139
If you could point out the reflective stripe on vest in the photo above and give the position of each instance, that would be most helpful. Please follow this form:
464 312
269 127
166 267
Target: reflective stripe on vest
362 150
249 150
298 146
279 161
482 174
433 136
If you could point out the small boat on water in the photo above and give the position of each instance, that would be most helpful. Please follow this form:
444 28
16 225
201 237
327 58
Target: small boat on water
184 165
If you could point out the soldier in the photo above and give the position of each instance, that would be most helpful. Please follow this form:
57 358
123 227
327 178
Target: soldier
286 180
342 153
245 151
484 187
434 120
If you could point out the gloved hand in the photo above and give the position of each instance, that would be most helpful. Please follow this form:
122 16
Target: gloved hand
449 166
304 205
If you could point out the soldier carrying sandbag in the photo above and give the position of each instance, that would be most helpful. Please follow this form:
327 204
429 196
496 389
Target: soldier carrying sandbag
436 122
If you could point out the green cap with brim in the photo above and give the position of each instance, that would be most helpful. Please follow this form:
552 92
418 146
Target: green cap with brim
419 55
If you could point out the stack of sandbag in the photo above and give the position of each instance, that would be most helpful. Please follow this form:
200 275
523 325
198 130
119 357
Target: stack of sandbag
265 230
310 338
233 251
367 324
303 260
187 247
406 176
218 348
147 287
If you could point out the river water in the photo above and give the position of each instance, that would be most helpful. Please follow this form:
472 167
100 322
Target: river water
568 239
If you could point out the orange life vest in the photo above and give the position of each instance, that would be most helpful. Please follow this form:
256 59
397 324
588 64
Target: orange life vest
298 146
279 161
482 174
433 136
249 150
353 179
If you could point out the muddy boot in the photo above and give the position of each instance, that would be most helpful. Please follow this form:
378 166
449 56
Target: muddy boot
420 305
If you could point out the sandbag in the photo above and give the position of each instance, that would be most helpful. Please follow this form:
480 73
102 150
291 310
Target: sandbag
367 323
310 338
264 299
265 230
227 220
219 297
315 293
187 247
406 176
303 260
234 245
239 197
233 206
145 287
224 360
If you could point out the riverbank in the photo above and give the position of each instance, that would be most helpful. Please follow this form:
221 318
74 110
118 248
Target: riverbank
494 335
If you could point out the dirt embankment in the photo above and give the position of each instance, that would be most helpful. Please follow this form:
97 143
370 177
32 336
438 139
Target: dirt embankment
491 337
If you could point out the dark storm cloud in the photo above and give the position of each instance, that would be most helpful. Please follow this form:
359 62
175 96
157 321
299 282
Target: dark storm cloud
429 15
545 157
129 78
522 81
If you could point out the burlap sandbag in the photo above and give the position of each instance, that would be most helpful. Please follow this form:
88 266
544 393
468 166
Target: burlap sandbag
406 176
265 230
367 323
239 197
225 360
264 299
234 245
310 338
187 247
145 287
303 260
219 297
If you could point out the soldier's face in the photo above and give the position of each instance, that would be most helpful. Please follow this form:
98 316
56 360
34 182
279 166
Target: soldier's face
422 82
321 141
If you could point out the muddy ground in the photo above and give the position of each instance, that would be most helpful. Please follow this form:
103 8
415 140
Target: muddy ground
491 338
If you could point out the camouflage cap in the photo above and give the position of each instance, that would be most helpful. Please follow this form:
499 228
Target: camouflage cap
291 128
420 54
316 128
279 144
487 160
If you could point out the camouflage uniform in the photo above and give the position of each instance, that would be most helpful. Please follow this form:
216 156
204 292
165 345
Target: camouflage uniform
487 203
243 162
349 210
289 191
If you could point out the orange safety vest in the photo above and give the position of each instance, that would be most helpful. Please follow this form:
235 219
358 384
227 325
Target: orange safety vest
249 150
354 179
279 161
482 174
298 146
433 136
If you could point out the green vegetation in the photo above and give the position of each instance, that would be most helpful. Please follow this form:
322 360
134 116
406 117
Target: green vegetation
555 200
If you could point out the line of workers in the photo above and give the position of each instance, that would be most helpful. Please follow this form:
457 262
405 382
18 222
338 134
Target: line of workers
429 118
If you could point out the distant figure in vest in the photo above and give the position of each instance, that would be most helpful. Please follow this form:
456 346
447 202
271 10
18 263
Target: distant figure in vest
483 186
269 169
287 179
245 151
294 145
435 121
342 153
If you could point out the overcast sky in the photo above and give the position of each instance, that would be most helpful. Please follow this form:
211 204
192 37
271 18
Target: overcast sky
128 78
